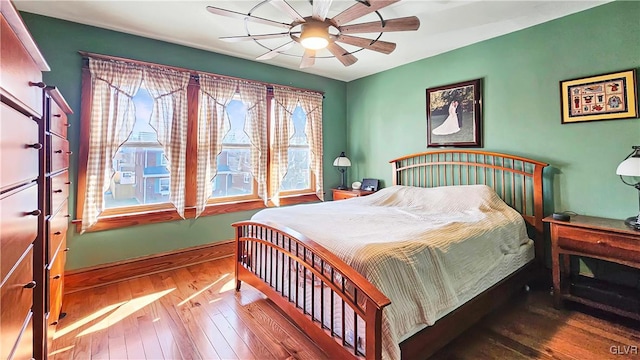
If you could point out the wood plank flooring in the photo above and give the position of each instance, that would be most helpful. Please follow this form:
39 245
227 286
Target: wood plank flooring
195 313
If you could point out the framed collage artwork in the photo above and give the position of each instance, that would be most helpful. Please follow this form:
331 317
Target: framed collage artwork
601 97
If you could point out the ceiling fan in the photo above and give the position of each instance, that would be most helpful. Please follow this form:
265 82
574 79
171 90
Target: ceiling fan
318 31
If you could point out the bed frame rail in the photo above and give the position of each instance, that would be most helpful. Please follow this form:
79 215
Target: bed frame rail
517 180
302 278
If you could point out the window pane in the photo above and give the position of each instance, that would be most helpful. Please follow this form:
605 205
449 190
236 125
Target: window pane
141 169
234 162
234 174
298 176
236 112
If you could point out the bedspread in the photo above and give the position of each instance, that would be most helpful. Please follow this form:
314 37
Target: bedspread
421 247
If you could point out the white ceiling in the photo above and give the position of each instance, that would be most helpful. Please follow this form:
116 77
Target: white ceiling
445 25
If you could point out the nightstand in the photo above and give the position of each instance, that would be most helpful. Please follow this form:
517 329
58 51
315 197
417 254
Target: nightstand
594 237
349 193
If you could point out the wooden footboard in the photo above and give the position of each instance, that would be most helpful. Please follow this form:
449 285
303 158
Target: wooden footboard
331 302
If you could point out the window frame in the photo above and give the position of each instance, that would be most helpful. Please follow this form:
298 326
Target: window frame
114 218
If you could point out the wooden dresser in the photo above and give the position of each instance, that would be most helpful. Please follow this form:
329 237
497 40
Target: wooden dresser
26 263
57 208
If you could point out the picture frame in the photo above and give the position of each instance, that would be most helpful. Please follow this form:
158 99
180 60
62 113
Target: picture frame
369 184
609 96
454 115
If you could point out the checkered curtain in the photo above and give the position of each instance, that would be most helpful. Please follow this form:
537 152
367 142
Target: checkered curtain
113 84
285 102
311 103
213 125
254 96
169 118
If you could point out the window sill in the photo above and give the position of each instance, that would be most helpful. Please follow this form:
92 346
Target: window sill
116 221
123 220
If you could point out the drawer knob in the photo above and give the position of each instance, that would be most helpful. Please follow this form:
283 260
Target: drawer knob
57 233
36 146
54 323
40 84
57 115
600 242
35 212
68 183
57 277
30 285
69 152
58 151
66 249
58 191
67 125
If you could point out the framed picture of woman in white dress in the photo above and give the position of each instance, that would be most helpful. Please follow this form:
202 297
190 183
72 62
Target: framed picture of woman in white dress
454 115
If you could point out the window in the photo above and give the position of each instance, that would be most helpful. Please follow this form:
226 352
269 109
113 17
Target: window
165 143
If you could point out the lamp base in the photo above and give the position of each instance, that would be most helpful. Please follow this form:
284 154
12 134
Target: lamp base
633 222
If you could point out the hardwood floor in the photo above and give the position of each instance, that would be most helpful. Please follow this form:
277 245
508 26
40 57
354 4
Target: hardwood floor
195 313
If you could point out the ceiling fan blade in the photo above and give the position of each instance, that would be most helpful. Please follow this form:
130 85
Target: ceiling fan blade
409 23
321 9
308 59
237 15
253 37
286 8
341 54
273 53
360 9
384 47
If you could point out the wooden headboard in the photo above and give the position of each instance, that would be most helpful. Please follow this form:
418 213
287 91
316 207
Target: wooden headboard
517 180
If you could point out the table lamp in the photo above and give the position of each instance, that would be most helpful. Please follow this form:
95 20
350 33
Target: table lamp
631 167
342 163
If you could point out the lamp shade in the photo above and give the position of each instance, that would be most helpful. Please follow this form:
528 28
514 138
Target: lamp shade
630 167
342 160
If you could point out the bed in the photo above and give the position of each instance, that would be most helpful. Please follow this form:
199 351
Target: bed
454 236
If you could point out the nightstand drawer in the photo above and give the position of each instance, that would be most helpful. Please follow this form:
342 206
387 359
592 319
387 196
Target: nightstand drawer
599 243
341 195
349 193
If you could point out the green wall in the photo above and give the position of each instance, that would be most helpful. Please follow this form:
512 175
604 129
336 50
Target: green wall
382 116
521 106
60 42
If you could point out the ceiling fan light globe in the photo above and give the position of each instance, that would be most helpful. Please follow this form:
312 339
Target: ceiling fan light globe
314 36
314 43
